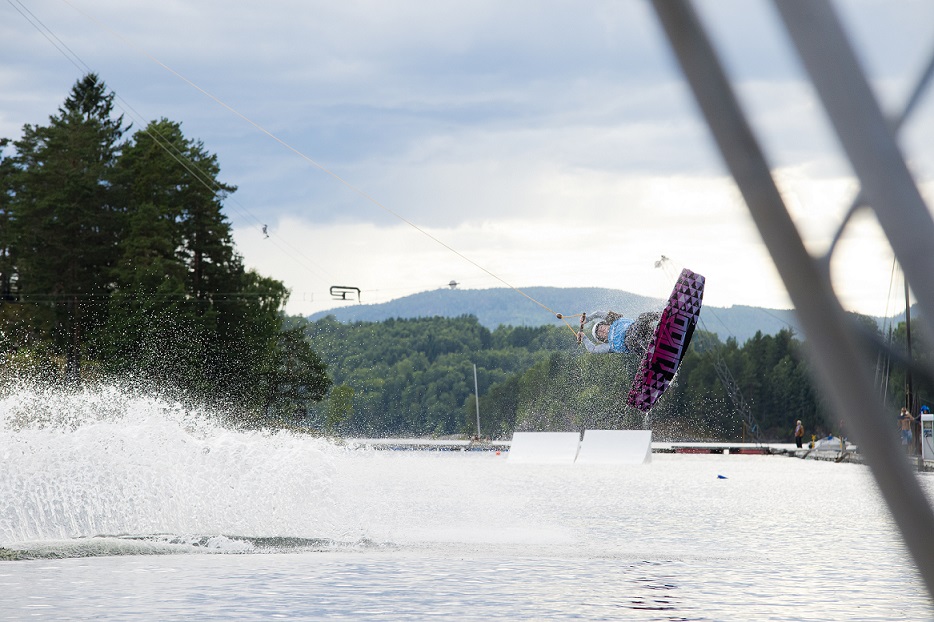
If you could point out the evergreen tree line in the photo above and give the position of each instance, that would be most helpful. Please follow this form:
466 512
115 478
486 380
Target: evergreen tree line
415 377
116 261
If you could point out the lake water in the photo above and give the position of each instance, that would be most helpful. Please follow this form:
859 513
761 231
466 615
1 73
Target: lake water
133 509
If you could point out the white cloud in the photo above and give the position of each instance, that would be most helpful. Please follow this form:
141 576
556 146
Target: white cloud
553 143
613 247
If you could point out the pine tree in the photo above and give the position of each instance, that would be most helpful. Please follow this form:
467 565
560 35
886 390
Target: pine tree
65 221
155 330
186 312
120 253
6 238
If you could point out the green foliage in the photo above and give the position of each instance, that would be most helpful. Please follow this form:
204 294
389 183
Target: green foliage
117 256
298 377
414 377
773 377
339 408
6 223
899 377
64 218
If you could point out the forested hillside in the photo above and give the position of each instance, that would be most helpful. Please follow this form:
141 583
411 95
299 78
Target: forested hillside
503 306
415 377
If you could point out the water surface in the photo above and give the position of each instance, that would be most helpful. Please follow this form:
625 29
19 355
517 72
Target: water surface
127 508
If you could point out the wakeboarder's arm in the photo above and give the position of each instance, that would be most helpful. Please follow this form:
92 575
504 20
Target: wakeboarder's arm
595 348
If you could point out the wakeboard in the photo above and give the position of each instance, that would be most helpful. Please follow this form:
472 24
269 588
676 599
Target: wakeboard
669 342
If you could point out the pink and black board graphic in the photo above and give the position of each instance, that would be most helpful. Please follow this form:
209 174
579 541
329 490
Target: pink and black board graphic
669 342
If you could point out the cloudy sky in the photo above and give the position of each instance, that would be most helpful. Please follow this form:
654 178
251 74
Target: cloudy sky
397 146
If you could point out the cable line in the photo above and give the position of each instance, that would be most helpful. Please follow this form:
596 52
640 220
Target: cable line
165 144
308 159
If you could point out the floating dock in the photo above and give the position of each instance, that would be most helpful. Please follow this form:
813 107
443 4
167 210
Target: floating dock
397 444
849 455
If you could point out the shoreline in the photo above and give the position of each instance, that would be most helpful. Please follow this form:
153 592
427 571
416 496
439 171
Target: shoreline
850 455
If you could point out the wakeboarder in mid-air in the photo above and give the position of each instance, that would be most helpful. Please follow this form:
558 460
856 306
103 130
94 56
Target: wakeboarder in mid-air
661 338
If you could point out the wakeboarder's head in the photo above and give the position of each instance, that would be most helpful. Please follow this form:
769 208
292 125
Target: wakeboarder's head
601 331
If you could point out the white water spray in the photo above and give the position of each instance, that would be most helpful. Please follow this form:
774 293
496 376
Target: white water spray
117 471
109 461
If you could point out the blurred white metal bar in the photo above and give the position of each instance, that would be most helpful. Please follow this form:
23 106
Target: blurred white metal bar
866 138
896 124
840 361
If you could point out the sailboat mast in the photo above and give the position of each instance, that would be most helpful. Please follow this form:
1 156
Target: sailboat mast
476 392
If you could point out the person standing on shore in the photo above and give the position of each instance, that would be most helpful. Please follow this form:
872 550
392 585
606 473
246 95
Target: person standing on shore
799 434
904 422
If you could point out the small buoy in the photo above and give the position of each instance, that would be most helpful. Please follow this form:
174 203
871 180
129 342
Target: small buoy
721 477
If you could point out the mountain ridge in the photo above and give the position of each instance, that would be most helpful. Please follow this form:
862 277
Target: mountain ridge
502 306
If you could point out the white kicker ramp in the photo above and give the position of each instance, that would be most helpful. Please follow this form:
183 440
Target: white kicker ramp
544 447
616 447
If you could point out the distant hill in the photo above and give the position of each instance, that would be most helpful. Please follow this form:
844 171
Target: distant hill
498 306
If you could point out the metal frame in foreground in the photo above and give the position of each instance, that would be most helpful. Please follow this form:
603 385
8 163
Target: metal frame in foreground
840 357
